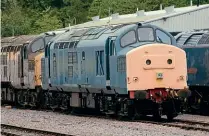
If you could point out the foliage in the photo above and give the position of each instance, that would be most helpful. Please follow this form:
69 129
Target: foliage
36 16
14 20
46 23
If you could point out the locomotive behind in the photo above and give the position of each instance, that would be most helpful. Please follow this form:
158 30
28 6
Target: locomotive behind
196 46
20 68
123 70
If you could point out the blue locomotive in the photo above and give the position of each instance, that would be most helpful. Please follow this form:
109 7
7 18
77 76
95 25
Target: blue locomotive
118 70
196 45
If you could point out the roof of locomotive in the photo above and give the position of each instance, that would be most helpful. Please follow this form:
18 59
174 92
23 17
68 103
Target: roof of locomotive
193 38
17 40
94 33
96 36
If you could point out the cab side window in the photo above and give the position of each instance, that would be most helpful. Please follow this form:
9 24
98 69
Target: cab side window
128 38
37 45
162 37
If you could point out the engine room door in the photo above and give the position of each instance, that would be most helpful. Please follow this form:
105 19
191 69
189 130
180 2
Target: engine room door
109 52
38 69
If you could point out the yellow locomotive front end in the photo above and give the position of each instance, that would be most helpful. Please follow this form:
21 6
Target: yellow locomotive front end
157 73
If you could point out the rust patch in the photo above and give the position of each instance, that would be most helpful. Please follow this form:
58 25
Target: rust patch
192 70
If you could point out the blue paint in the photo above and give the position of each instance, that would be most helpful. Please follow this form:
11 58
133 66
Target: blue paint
85 70
198 58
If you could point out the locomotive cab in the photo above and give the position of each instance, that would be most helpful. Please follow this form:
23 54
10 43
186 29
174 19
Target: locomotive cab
156 73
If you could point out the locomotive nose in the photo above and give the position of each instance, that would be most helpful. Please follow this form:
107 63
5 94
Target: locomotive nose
164 66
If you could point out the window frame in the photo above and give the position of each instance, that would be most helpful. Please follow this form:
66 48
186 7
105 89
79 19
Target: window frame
73 55
100 71
35 40
129 43
165 34
154 36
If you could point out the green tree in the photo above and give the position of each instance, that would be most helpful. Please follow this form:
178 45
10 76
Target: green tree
46 22
14 21
101 7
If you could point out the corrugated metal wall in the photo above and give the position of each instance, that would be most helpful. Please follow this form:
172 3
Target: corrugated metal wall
198 19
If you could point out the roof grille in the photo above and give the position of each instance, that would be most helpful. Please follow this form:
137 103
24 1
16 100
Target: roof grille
204 39
183 38
193 39
199 38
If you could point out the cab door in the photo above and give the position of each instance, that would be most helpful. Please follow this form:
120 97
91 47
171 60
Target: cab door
110 52
38 69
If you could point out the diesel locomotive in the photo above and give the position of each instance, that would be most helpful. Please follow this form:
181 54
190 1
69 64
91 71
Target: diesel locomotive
20 71
123 70
196 46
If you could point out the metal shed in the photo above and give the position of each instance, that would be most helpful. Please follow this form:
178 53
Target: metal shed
170 18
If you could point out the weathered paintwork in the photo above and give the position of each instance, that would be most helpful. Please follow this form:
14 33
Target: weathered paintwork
84 77
198 65
37 76
141 76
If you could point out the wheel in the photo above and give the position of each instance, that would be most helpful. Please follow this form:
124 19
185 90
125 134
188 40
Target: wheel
131 112
20 98
54 100
45 101
64 102
33 99
157 113
170 117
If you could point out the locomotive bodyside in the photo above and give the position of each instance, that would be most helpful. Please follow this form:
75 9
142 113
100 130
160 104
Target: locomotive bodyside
196 46
15 66
24 68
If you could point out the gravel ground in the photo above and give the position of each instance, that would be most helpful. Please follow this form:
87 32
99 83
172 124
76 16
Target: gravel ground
20 133
193 117
89 126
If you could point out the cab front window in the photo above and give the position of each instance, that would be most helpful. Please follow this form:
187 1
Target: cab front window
128 38
145 34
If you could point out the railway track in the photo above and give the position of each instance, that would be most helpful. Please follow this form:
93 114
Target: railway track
178 123
10 130
183 124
